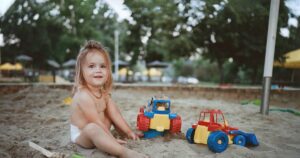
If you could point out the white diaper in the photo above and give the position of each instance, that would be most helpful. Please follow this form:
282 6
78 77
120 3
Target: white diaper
75 133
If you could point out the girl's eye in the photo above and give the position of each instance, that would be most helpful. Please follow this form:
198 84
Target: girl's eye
103 66
91 66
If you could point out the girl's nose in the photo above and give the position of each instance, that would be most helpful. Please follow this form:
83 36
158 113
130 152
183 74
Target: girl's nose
98 69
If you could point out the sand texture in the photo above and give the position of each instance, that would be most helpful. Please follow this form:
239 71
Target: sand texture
38 114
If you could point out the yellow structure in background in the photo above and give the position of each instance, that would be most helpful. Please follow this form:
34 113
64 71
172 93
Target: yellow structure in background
123 71
18 66
9 66
153 72
292 60
46 78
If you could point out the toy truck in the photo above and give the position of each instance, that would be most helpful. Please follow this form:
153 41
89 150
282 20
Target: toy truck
156 118
212 129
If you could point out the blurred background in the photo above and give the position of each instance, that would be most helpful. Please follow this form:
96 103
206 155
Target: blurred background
211 42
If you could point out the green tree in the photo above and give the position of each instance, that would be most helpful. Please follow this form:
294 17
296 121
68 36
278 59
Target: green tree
152 34
237 30
27 28
55 29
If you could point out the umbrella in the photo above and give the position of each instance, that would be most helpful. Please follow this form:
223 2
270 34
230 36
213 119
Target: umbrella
7 66
71 62
292 60
23 58
53 63
158 64
18 66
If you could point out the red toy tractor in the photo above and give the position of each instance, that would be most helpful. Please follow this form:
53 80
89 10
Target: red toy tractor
212 129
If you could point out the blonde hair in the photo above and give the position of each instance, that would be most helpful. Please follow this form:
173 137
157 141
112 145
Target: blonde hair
79 79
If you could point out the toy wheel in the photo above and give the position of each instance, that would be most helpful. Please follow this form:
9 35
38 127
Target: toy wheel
217 141
143 122
190 135
175 125
239 140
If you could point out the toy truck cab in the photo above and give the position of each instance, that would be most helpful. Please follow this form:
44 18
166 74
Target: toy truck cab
159 105
212 129
214 120
157 116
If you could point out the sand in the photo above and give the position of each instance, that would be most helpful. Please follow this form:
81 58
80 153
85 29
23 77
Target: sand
38 114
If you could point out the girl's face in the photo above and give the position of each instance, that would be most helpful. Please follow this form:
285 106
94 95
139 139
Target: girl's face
94 69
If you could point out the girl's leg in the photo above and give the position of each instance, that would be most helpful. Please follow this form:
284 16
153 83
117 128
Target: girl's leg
94 135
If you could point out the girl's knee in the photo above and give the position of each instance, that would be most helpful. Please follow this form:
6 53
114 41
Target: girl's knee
91 126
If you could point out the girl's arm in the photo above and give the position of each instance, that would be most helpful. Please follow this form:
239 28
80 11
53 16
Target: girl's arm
118 120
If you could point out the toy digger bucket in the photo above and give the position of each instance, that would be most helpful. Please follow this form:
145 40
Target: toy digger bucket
250 137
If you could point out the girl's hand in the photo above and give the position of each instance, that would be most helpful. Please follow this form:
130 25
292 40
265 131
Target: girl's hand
135 136
120 141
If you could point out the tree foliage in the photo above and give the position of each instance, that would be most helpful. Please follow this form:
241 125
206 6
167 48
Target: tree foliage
55 29
222 30
152 34
237 30
229 33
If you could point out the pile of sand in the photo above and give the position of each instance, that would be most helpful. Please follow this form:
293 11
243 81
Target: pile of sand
38 114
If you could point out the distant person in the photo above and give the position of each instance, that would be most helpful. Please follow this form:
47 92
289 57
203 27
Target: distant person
93 111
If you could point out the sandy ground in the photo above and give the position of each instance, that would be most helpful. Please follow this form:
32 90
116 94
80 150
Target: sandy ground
38 114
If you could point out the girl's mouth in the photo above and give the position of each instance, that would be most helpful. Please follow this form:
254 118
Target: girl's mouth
98 76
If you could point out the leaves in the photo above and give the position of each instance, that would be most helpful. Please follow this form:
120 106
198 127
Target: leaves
162 30
54 29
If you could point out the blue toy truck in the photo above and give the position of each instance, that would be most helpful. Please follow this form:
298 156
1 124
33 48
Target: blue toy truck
156 118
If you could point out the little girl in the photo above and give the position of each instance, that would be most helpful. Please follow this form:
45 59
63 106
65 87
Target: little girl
93 112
